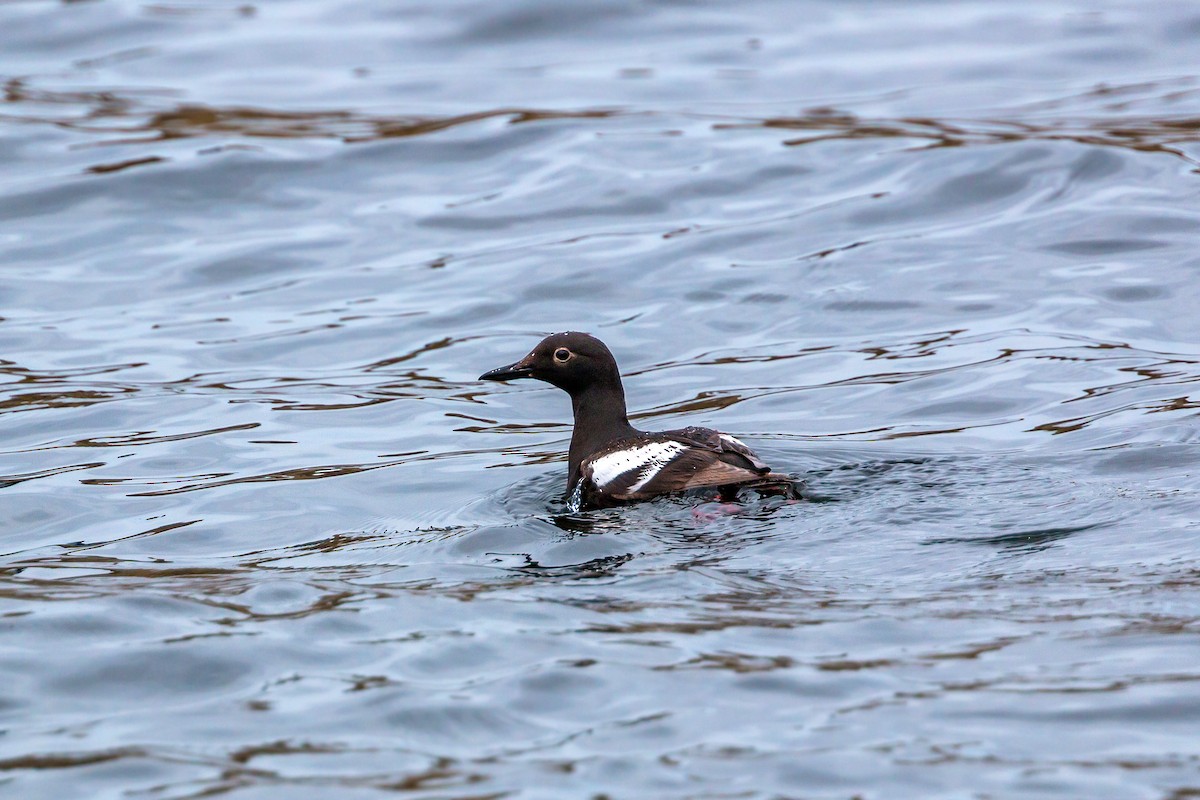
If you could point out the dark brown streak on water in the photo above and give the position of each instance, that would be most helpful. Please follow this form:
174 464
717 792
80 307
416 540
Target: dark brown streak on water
1149 134
189 121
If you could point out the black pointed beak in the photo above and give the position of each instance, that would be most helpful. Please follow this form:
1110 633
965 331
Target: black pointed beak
513 371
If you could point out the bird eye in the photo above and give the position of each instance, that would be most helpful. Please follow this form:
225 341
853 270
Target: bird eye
562 354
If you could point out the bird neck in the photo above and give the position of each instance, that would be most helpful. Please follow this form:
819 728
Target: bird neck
600 419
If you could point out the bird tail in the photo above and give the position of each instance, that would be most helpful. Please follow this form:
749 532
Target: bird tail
773 483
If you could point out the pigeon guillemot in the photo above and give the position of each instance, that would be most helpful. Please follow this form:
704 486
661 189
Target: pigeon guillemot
611 462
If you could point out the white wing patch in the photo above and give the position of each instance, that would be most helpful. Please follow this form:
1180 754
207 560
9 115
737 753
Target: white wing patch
647 459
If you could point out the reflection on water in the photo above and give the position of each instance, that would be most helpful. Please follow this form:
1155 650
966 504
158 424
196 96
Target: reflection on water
265 535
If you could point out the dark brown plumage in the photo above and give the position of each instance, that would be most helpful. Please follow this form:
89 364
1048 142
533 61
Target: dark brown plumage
611 462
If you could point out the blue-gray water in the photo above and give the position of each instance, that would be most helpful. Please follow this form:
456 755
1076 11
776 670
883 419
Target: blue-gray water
263 535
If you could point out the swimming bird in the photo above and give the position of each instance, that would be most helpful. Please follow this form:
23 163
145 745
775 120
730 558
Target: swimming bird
610 461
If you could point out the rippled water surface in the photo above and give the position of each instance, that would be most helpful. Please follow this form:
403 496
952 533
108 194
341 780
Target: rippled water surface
265 536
